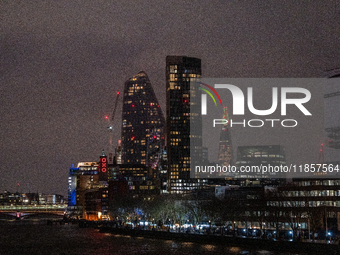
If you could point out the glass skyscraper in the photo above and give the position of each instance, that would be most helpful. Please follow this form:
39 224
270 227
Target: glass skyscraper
179 71
142 123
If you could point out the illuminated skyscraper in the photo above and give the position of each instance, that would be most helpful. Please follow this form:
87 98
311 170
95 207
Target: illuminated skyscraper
143 123
225 152
179 70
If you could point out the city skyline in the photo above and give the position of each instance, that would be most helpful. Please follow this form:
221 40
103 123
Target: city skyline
62 64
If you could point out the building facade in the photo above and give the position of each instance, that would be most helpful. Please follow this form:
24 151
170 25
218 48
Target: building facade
179 71
252 157
142 123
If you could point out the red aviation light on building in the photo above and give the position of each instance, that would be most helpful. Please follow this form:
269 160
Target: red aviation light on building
133 105
118 93
154 137
106 117
133 138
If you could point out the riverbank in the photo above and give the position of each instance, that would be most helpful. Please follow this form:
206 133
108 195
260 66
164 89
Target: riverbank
249 243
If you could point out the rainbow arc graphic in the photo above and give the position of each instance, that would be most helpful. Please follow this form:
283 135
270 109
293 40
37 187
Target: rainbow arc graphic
204 97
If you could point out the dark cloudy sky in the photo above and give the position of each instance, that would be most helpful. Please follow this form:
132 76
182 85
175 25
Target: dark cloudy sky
62 63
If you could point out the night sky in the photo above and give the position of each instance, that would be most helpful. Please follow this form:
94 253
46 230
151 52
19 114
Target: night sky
62 63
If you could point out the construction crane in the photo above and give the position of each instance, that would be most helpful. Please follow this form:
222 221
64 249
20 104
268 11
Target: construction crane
110 128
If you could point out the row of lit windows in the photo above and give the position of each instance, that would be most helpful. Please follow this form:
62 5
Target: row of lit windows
131 94
312 193
262 161
318 182
87 168
174 86
182 188
135 87
154 113
175 132
183 184
140 101
142 122
146 187
186 77
130 169
175 139
175 118
304 203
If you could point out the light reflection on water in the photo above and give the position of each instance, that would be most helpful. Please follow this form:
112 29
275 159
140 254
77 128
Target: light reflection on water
30 239
209 247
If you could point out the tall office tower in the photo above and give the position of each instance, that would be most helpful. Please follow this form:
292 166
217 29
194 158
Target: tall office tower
179 70
225 152
143 123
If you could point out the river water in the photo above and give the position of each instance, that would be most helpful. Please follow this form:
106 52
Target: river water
33 237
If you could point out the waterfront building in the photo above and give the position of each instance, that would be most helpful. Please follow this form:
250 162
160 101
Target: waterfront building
140 179
78 176
96 204
312 201
88 177
30 199
304 205
179 71
142 123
